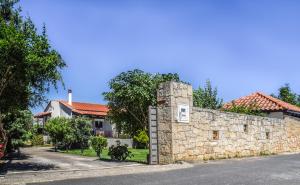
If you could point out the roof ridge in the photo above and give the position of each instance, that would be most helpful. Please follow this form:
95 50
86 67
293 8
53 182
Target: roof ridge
282 103
270 98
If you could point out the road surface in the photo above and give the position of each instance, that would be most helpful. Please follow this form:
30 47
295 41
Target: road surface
270 170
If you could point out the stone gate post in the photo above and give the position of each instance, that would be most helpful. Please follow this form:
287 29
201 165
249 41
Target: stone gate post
175 102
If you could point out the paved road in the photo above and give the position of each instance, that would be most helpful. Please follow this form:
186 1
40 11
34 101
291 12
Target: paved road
44 159
274 170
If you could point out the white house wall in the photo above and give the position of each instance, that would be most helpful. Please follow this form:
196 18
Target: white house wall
64 111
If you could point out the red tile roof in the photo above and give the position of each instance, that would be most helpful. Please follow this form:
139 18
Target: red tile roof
42 114
263 102
87 108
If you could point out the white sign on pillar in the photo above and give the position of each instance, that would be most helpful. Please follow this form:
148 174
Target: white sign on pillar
183 113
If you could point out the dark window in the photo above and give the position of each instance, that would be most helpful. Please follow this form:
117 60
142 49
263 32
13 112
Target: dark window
98 124
215 135
246 128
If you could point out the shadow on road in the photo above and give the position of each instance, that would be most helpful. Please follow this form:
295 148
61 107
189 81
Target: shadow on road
19 163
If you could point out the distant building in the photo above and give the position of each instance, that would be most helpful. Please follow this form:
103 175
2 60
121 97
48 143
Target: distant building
96 112
272 106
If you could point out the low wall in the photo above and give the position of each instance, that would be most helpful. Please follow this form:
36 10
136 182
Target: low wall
188 133
113 141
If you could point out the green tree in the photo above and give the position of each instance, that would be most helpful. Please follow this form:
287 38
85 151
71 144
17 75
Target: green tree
19 124
98 143
207 97
82 131
141 139
29 66
59 129
286 94
131 93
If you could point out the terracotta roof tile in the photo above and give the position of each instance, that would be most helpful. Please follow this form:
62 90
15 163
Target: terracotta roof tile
87 108
263 102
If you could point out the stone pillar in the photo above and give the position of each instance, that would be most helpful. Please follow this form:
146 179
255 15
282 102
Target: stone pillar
170 97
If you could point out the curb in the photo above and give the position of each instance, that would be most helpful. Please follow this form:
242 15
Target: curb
74 170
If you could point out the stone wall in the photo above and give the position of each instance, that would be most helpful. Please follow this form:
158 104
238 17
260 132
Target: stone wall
293 133
211 134
236 135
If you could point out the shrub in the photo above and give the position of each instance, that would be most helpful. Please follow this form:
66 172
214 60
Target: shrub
61 131
252 109
119 152
141 139
37 140
98 143
82 131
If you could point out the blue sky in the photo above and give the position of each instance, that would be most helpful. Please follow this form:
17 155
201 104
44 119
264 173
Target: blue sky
241 46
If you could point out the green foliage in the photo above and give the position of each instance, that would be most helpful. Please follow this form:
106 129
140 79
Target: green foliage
207 97
286 94
29 66
141 139
17 126
58 129
250 110
119 152
69 131
37 140
139 155
131 93
98 143
82 131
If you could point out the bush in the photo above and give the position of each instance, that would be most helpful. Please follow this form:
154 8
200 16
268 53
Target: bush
141 139
98 143
252 109
119 152
83 131
60 130
37 140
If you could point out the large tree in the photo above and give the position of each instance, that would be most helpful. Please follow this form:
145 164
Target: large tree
29 66
19 123
286 94
130 95
207 97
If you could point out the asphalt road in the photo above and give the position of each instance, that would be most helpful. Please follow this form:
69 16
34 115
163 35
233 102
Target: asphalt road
44 159
271 170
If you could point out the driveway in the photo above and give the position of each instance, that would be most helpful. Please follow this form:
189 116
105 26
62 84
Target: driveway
272 170
45 159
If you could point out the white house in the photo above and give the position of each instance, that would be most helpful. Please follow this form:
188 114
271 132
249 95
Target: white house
96 112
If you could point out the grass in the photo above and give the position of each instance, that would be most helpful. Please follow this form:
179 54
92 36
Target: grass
139 155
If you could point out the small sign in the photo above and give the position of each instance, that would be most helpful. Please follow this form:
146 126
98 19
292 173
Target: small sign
183 113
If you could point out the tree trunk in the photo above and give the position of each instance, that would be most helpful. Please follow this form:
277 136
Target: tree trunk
55 146
81 148
3 136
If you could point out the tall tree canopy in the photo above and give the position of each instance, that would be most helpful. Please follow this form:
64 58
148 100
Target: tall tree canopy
130 95
286 94
29 66
207 97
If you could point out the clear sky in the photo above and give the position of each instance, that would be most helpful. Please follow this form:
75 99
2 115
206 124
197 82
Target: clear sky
242 46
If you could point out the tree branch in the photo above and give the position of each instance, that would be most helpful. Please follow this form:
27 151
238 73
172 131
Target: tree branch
5 79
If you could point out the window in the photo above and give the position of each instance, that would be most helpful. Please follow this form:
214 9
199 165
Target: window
267 135
99 124
215 135
246 128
